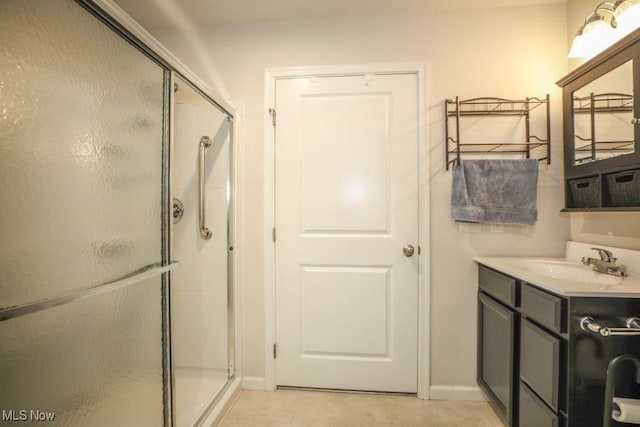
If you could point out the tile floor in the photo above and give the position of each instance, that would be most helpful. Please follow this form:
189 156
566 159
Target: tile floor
289 408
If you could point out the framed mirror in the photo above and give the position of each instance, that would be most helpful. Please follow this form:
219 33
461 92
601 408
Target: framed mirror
601 130
603 116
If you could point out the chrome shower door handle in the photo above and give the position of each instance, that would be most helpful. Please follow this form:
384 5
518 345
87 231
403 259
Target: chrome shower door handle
205 142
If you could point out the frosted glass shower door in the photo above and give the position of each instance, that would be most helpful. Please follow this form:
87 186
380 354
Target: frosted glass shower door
200 287
82 178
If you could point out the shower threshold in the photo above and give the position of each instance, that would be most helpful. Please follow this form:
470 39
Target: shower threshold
196 388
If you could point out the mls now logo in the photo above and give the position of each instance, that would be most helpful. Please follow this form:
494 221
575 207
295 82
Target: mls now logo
27 415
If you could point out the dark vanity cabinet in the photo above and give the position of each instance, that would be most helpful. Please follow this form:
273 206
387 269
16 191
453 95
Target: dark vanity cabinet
536 364
602 130
521 350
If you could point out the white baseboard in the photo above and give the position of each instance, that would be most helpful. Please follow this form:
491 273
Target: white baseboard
456 392
253 383
436 392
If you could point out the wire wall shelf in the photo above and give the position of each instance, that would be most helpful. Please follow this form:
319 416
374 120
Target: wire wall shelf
530 146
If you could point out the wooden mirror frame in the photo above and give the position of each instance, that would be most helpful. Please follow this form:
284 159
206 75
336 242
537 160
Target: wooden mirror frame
624 50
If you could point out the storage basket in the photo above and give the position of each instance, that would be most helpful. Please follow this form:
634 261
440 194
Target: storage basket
624 188
585 192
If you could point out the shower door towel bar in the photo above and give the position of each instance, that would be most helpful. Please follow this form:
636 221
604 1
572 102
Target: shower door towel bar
144 273
205 142
489 106
589 324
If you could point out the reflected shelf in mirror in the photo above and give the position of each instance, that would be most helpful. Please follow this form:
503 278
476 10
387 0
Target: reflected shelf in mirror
603 112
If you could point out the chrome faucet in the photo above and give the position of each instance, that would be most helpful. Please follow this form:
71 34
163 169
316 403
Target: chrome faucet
606 263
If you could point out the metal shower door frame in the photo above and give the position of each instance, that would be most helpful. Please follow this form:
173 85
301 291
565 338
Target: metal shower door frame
112 16
230 235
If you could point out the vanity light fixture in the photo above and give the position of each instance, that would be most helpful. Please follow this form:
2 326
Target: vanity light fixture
606 24
627 16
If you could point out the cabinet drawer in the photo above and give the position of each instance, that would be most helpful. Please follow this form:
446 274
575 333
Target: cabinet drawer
533 412
544 308
498 285
540 362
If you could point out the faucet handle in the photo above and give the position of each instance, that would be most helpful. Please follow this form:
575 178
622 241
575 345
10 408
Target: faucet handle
605 255
617 270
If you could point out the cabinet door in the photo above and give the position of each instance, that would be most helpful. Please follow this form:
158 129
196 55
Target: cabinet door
540 362
496 326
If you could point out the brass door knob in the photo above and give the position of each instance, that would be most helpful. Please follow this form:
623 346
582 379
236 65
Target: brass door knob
408 250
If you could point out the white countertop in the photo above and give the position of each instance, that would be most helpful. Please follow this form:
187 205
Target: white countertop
627 287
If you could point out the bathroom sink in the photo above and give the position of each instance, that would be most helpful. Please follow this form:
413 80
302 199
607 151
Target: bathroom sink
566 271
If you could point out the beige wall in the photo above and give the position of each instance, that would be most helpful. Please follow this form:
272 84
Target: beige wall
612 229
509 52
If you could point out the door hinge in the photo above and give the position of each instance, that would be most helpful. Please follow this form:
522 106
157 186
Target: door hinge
273 234
275 351
272 111
419 250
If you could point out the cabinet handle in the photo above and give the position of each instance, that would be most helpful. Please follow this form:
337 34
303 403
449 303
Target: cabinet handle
635 120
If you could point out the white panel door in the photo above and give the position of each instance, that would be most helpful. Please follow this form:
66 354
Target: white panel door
346 206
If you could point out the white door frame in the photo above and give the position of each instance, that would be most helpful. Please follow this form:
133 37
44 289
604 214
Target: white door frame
424 309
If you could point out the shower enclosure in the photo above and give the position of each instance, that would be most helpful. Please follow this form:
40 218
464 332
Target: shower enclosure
99 327
203 345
